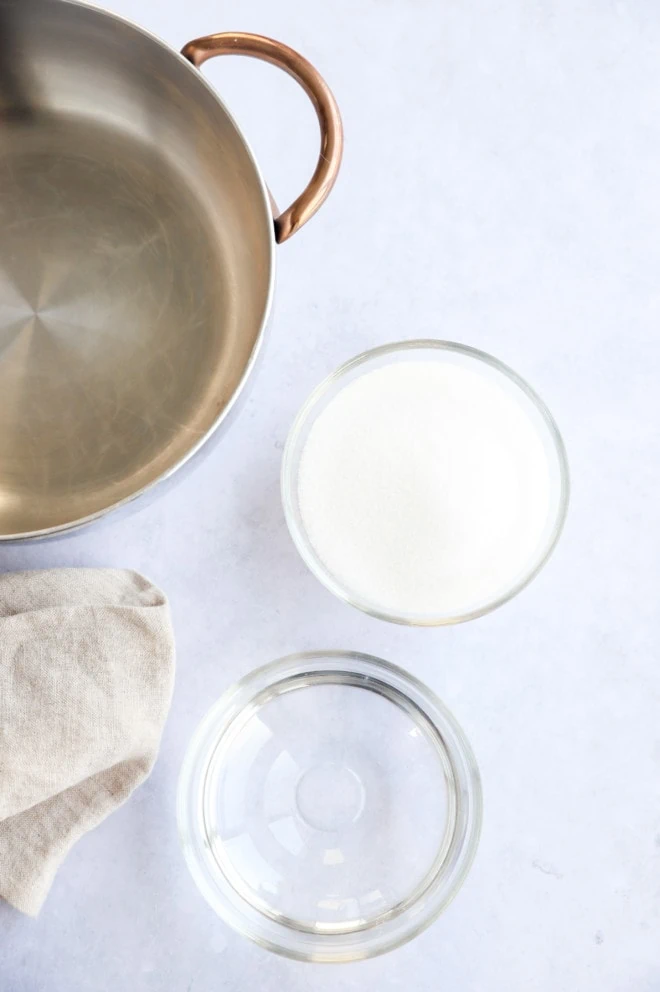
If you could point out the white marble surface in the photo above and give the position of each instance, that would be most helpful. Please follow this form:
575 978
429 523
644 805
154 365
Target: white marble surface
500 187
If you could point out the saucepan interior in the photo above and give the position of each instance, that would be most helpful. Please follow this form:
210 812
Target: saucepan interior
136 257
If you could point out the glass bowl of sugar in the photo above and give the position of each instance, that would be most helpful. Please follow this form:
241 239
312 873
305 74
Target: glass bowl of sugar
425 483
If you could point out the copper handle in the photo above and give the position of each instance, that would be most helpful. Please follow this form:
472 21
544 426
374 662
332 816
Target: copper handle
258 47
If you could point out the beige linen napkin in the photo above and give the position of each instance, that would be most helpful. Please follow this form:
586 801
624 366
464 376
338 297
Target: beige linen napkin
86 675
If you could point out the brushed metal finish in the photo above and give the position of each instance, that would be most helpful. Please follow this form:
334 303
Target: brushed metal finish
136 263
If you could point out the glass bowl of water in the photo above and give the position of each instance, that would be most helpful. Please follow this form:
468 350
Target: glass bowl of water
329 806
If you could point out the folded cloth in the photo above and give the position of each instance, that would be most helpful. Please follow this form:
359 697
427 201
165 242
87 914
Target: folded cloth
86 676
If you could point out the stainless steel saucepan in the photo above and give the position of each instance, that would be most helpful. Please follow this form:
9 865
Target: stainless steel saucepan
137 250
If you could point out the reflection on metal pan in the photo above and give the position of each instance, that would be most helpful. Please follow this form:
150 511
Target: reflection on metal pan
136 256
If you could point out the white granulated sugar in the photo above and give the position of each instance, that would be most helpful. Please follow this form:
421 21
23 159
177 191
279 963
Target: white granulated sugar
424 488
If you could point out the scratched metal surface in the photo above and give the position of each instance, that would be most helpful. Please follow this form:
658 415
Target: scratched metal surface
134 264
